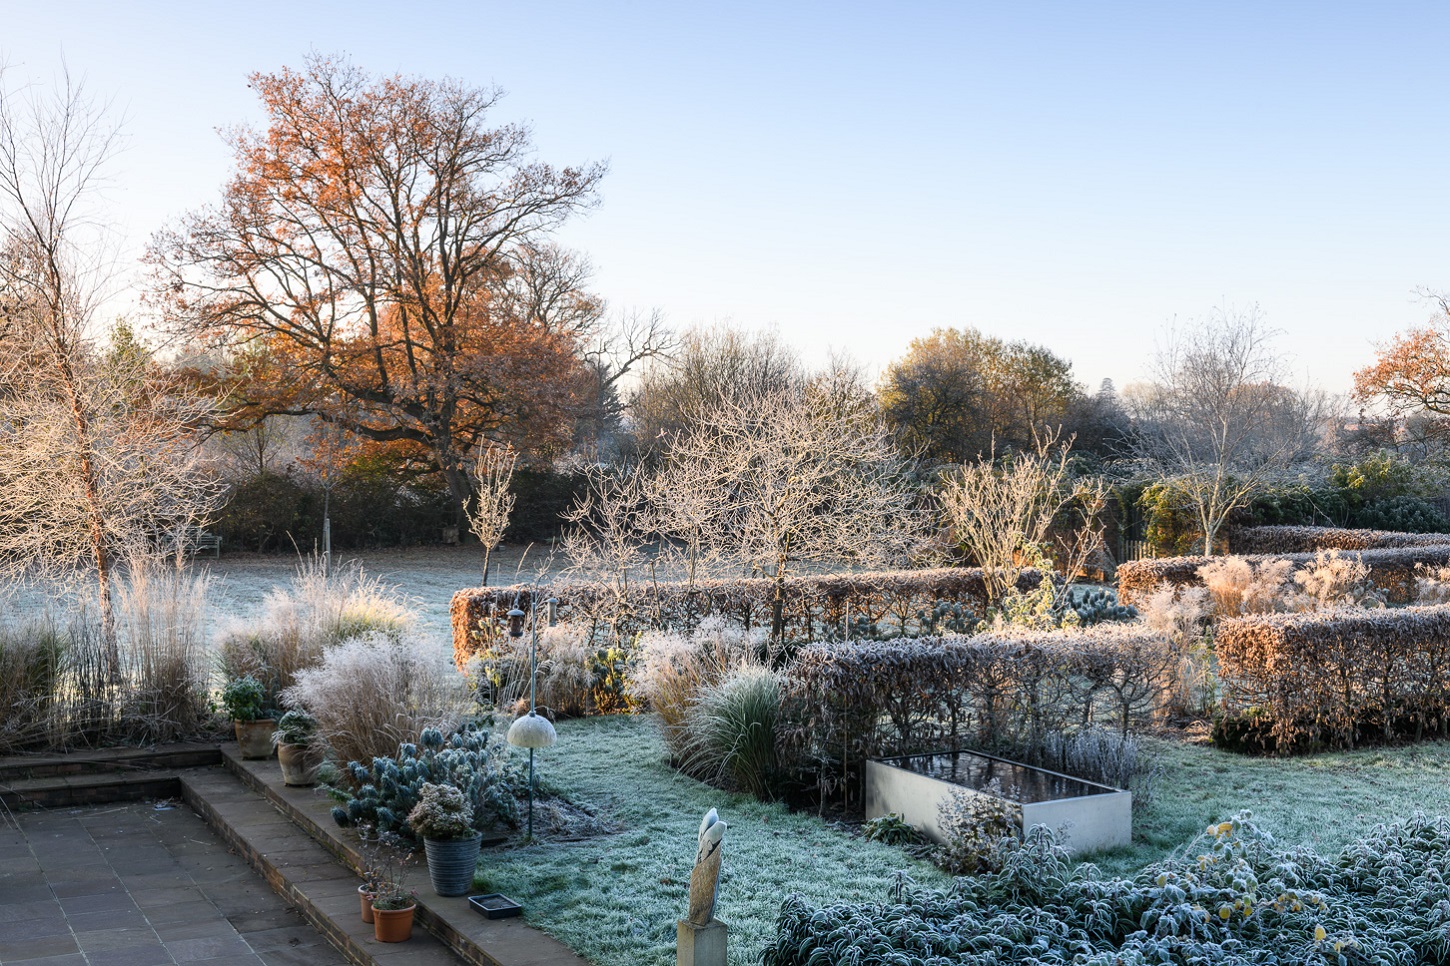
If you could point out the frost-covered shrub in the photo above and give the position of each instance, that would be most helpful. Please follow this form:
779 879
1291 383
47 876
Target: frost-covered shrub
1232 897
442 812
978 828
815 607
845 703
1286 540
730 732
301 621
891 829
566 671
389 789
372 693
1098 606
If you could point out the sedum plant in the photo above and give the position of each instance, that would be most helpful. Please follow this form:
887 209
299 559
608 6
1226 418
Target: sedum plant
441 813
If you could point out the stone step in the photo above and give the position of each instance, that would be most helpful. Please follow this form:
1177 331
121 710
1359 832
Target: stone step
301 871
74 790
109 760
476 940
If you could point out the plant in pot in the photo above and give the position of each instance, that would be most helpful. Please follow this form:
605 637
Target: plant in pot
444 820
393 902
244 700
299 748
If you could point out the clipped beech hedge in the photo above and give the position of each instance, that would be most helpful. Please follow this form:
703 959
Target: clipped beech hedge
1392 570
1339 678
896 601
1285 540
846 702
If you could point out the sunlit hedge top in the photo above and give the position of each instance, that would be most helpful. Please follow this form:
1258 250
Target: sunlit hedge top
1310 539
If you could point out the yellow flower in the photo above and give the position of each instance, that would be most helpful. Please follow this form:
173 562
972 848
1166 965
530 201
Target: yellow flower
1319 934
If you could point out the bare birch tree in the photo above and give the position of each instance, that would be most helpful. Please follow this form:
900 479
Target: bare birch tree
493 504
99 460
1220 421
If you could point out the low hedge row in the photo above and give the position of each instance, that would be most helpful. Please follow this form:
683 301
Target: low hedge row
1300 681
844 703
1392 570
903 602
1282 540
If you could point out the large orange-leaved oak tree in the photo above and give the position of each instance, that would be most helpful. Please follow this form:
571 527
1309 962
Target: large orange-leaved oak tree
369 264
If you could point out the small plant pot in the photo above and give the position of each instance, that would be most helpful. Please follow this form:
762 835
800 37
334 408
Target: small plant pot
451 864
366 899
393 925
300 764
254 738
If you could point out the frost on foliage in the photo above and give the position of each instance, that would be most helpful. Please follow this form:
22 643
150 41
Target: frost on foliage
1232 897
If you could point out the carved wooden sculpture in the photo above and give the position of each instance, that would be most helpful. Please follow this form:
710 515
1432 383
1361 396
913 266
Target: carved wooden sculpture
705 879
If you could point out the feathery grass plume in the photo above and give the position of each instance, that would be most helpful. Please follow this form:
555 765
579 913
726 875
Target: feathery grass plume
301 621
371 693
161 617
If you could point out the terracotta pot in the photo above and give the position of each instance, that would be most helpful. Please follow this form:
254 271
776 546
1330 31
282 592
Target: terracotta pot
451 863
255 737
366 898
299 764
393 925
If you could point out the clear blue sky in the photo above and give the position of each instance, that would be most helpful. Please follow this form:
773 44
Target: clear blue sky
1075 174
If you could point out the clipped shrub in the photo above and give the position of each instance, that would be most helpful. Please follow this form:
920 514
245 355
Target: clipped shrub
1294 682
731 739
1392 570
1284 540
896 602
389 788
372 694
1231 897
847 702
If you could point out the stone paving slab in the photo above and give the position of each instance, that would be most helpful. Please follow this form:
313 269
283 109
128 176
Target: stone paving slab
138 885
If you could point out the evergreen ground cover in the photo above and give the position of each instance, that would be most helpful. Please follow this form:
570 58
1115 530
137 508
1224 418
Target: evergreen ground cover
615 898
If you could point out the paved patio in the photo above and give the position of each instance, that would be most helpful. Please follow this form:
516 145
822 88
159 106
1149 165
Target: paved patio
136 885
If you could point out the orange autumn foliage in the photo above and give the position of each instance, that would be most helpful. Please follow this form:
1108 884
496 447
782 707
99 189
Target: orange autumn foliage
364 266
1412 373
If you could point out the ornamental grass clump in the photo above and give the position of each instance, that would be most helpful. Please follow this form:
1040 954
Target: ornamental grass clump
1231 897
731 731
372 693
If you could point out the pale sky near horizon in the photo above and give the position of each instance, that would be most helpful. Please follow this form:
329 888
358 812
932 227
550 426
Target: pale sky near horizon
853 175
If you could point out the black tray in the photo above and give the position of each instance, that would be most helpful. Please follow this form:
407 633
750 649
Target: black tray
495 905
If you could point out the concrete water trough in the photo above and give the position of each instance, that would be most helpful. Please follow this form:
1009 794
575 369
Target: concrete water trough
913 786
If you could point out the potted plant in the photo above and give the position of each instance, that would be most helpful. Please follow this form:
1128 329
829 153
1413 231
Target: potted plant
444 820
299 749
393 902
244 700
